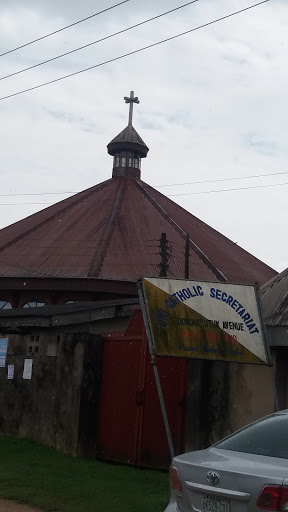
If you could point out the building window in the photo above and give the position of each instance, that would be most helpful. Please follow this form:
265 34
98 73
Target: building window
127 160
33 346
34 303
4 304
32 350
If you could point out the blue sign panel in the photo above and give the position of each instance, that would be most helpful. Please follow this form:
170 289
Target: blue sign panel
3 351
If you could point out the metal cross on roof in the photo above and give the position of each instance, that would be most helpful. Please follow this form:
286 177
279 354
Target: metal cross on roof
131 100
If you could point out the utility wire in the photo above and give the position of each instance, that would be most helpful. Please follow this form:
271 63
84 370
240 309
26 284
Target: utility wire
215 180
135 51
39 194
98 40
228 189
172 195
64 28
157 186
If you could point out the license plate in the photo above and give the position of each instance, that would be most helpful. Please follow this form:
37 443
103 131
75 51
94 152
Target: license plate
213 504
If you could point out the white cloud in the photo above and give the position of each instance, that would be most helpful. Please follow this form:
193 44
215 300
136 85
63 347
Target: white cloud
212 106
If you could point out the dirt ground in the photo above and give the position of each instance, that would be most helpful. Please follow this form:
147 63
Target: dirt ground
11 506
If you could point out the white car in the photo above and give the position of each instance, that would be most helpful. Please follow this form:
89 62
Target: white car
245 472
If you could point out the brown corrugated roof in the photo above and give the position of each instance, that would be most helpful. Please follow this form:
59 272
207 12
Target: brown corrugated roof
111 231
274 299
238 265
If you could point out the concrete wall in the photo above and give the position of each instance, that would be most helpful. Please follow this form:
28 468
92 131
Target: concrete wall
47 407
223 397
277 335
280 363
59 406
278 341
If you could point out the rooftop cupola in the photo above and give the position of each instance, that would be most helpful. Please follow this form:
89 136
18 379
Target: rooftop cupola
128 148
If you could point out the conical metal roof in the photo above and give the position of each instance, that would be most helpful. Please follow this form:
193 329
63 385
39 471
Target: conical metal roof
128 140
111 231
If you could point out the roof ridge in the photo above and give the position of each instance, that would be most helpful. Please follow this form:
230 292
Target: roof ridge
212 228
195 247
99 256
85 193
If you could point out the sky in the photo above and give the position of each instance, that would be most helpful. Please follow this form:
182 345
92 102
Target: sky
213 106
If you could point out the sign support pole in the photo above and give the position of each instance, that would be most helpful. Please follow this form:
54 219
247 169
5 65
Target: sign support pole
267 348
155 369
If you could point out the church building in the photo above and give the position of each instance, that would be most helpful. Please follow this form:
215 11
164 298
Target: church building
96 244
92 390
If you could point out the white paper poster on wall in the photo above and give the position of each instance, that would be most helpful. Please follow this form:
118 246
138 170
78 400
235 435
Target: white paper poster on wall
27 371
10 372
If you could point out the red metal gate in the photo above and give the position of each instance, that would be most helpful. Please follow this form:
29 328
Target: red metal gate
131 428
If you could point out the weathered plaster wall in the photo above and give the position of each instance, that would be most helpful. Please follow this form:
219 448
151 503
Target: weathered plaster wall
46 408
251 394
223 397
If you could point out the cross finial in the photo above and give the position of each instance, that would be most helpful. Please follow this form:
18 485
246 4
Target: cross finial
131 100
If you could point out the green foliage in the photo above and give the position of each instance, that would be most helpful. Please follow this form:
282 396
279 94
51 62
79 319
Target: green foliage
41 477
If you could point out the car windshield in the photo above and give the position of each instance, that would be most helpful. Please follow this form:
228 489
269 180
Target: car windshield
266 437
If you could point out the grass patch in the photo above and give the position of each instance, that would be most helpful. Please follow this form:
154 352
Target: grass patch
42 477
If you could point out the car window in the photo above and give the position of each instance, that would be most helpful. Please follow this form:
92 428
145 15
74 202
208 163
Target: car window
266 437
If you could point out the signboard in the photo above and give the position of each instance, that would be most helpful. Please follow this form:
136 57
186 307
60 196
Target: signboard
3 351
204 320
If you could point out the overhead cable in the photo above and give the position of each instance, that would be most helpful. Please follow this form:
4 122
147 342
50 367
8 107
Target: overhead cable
228 189
134 51
217 179
156 186
170 195
98 40
64 28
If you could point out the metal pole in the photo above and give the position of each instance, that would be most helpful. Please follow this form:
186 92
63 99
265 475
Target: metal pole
155 369
187 255
164 255
267 348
